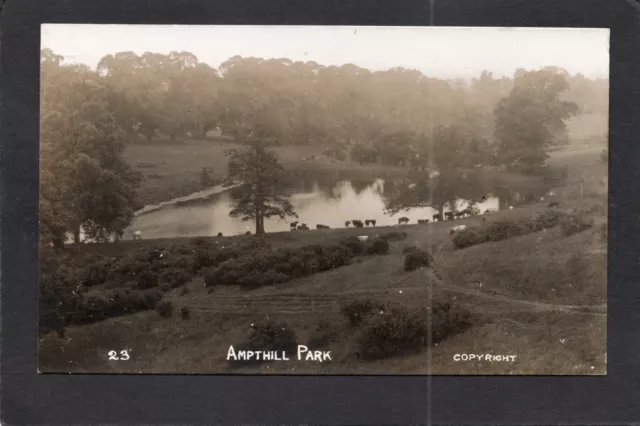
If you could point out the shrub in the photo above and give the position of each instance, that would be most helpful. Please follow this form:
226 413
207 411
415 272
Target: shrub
151 298
165 308
394 236
392 333
147 279
175 277
268 336
547 219
357 311
377 246
470 236
504 229
417 259
96 273
324 333
410 249
184 313
202 259
355 246
573 224
185 291
399 331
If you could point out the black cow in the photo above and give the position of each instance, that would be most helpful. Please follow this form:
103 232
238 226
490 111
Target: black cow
358 223
460 214
303 227
247 233
449 215
403 219
219 234
293 225
320 226
437 217
372 222
423 221
347 223
554 204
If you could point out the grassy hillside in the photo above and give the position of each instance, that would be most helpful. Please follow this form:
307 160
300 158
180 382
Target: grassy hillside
541 297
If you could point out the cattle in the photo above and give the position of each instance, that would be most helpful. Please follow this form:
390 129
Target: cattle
363 238
293 225
457 228
554 204
423 221
449 215
219 234
460 213
370 222
403 220
137 235
437 217
320 226
303 227
247 233
347 223
357 223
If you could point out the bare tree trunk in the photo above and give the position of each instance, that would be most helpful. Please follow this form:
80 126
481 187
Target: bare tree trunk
76 235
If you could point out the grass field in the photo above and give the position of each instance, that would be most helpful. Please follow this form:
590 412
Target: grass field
171 169
540 297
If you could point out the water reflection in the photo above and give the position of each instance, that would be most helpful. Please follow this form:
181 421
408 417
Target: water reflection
329 202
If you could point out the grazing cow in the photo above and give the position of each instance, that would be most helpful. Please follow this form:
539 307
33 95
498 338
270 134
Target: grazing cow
303 227
457 228
347 223
372 222
363 238
554 204
449 215
137 235
320 226
357 223
366 222
219 234
247 233
293 225
437 217
403 220
422 221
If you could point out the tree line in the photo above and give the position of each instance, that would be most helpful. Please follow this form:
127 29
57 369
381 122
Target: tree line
398 117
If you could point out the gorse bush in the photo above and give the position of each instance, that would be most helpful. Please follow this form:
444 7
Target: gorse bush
394 236
504 229
398 330
277 266
377 246
417 259
355 312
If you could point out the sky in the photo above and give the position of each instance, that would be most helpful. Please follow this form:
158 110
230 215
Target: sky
444 52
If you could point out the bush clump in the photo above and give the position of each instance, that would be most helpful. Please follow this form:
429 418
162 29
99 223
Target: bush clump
165 308
175 277
573 224
357 311
355 246
271 267
399 330
417 259
377 246
184 313
468 237
394 236
410 249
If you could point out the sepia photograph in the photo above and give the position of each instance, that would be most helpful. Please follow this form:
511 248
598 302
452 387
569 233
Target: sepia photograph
323 200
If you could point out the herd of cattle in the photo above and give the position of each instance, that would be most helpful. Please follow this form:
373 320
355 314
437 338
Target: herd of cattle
468 212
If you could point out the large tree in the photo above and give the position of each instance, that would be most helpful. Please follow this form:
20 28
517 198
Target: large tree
439 179
528 121
258 172
85 182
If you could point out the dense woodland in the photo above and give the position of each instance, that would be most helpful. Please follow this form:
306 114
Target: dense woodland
398 117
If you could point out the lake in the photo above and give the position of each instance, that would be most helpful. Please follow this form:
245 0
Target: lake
315 201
